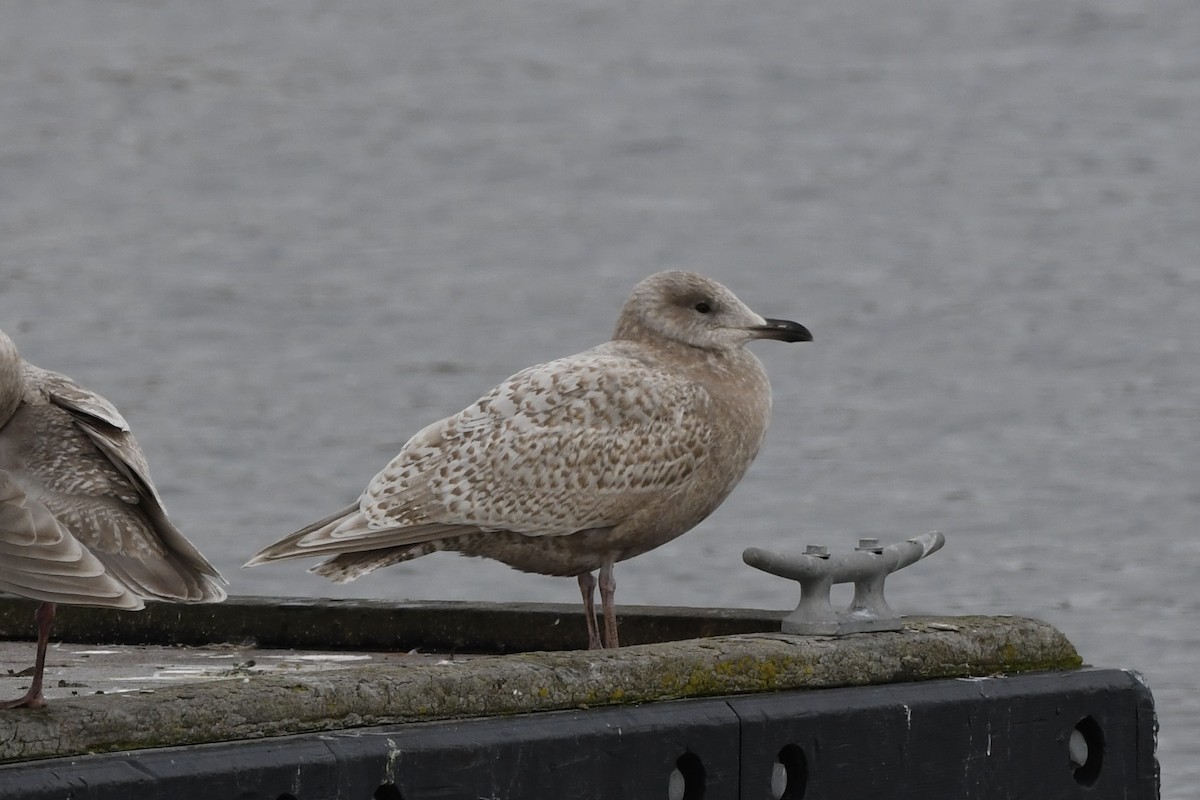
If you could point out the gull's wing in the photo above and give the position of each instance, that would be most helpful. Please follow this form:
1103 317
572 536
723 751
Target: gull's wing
93 476
40 559
574 444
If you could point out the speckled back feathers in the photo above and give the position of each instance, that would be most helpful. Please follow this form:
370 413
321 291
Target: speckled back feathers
597 456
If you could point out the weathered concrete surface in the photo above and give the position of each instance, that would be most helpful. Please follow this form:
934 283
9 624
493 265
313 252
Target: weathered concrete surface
77 670
257 704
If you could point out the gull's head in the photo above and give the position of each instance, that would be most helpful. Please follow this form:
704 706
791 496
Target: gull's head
697 311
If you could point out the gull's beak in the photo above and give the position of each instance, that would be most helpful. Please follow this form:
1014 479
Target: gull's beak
782 329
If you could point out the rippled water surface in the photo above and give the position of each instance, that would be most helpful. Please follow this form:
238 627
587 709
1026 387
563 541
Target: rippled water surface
284 237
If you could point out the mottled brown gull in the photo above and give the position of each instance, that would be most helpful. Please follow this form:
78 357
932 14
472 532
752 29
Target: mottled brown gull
80 520
573 465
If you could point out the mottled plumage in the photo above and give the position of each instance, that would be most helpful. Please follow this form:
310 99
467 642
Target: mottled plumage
572 465
80 520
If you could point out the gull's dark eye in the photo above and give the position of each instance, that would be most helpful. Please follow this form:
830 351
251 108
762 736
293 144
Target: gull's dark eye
702 307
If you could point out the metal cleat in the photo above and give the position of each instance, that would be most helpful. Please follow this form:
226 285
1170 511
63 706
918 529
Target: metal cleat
867 567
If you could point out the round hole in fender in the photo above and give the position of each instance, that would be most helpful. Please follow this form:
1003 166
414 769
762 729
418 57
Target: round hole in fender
1085 748
789 776
687 779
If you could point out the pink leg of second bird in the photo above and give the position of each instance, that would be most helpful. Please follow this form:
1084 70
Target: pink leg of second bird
587 588
608 590
44 617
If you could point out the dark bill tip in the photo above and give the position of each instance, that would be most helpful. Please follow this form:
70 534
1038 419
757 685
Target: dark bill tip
784 330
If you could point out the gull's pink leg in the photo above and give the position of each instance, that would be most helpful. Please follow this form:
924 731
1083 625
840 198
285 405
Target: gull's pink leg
608 590
587 587
44 617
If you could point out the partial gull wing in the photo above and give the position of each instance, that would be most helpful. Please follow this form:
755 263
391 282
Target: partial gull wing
129 533
41 560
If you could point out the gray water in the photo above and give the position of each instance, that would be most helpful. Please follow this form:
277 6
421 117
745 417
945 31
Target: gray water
282 237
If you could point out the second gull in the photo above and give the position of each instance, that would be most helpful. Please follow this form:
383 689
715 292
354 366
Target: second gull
573 465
